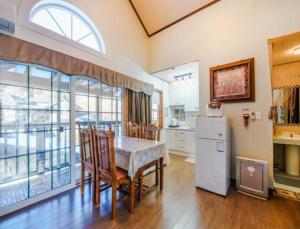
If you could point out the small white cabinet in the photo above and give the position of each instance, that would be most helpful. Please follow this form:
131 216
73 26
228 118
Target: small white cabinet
185 93
182 140
191 95
177 94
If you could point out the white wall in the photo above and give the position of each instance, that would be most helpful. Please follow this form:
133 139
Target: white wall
229 31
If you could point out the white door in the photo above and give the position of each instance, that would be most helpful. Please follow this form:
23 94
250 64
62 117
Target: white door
211 165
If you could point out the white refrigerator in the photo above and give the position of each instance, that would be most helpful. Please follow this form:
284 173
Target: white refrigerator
213 147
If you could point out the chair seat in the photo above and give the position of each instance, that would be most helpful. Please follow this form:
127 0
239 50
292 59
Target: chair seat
121 173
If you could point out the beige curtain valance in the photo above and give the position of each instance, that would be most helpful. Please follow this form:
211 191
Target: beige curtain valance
15 49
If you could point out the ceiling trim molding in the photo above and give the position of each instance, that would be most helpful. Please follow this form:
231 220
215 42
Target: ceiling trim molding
174 22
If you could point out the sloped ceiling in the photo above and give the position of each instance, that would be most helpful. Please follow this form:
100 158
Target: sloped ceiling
157 15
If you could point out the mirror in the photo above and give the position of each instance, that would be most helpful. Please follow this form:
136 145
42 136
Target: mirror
287 104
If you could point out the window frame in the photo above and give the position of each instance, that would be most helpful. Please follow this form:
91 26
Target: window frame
160 116
24 18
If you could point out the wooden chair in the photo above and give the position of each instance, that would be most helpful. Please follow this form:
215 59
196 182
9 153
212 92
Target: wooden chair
134 130
151 132
86 155
108 172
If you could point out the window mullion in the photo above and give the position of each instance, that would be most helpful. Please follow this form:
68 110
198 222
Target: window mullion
56 23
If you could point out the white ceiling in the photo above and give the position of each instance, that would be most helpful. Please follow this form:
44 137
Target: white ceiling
169 74
157 14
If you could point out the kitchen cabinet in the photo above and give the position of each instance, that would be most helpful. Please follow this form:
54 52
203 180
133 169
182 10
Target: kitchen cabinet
177 91
182 141
191 95
185 93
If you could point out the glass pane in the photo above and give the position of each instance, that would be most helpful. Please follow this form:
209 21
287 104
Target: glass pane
40 140
106 90
39 99
39 163
15 74
40 78
119 106
13 192
119 117
93 104
13 168
61 82
106 105
82 118
61 177
116 93
81 103
63 19
92 118
60 100
60 158
114 105
13 97
13 144
61 119
39 183
79 28
14 120
106 117
61 139
43 18
40 118
94 89
81 86
90 41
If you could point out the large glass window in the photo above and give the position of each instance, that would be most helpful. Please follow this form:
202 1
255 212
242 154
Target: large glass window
35 151
35 126
68 21
96 104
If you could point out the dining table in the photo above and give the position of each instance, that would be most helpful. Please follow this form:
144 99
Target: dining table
132 154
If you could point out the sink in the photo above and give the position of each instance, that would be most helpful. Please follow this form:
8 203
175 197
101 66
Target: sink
289 135
292 151
288 138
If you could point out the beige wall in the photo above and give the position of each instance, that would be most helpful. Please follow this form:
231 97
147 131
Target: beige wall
228 31
125 40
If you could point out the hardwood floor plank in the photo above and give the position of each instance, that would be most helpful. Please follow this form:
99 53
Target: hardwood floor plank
179 206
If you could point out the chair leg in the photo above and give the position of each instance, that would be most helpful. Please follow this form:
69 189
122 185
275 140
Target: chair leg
97 192
113 201
132 182
140 185
156 174
82 180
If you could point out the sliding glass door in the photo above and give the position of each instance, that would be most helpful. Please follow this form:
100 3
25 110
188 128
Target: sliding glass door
36 127
96 104
35 131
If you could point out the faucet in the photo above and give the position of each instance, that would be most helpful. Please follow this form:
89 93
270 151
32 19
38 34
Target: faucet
291 135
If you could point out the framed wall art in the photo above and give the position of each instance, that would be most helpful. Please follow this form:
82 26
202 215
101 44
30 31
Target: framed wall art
233 82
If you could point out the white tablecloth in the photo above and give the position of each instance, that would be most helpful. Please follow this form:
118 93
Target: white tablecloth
133 153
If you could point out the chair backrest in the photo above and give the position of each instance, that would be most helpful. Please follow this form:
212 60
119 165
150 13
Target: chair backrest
86 145
152 132
135 130
104 153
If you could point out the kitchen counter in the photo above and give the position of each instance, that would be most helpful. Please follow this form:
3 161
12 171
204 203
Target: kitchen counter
181 128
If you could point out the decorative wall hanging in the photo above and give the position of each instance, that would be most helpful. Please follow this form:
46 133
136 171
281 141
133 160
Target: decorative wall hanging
233 82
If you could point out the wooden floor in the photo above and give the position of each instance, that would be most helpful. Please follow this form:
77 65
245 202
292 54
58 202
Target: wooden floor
180 205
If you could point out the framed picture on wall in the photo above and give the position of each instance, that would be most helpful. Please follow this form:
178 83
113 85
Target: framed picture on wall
233 82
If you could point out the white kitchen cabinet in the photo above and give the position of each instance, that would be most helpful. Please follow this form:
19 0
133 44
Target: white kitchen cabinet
185 93
182 141
177 91
191 95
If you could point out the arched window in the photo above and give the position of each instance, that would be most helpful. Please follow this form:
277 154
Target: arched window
68 21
